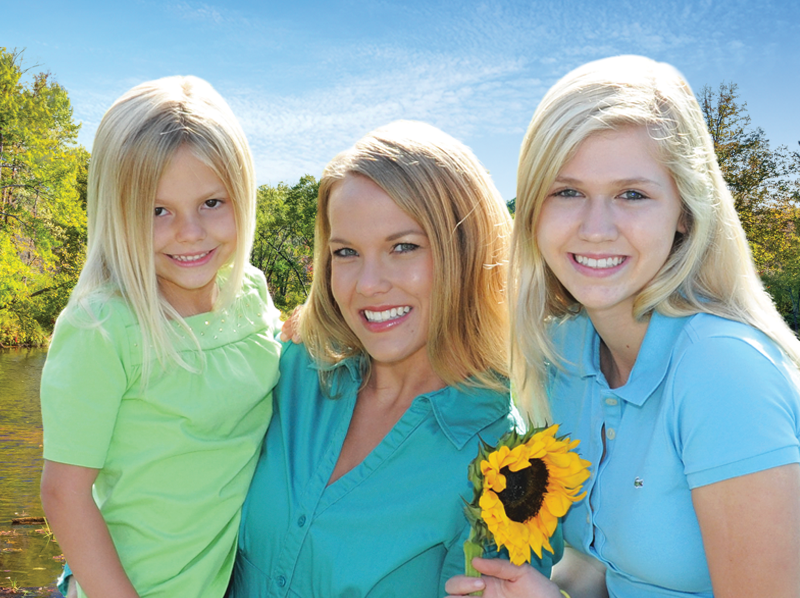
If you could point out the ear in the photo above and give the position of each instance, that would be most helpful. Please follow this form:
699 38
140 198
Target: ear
682 220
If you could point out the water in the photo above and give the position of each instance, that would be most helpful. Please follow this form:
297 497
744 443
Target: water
30 559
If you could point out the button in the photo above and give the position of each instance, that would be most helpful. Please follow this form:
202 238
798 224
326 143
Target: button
281 581
301 521
588 518
611 434
611 402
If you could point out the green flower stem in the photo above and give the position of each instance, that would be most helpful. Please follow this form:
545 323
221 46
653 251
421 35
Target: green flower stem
471 550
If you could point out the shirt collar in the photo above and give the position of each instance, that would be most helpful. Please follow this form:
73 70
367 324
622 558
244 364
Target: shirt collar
463 412
651 364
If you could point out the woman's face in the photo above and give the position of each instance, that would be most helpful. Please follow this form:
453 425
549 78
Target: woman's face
609 221
381 271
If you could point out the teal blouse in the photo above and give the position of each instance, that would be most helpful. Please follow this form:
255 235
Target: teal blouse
394 525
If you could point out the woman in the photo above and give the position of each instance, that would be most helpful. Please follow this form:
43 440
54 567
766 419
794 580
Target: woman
360 485
637 308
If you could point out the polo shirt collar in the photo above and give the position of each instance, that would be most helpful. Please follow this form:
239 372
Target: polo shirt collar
651 364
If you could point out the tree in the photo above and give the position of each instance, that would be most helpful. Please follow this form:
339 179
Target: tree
284 241
42 199
763 182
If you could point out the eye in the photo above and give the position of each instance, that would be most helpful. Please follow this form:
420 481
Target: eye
213 203
632 194
566 193
405 247
159 211
344 252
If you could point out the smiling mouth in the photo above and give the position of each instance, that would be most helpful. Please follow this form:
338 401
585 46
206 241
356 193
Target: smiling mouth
387 315
602 263
189 258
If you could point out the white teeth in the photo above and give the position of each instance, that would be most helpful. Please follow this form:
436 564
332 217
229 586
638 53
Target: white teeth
389 314
606 262
190 258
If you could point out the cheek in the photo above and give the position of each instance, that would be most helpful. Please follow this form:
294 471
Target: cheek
338 285
545 232
160 234
421 277
229 227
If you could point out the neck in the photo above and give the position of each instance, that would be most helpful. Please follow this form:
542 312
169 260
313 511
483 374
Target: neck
621 340
400 383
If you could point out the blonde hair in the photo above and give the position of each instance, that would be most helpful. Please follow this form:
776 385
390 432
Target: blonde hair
134 143
439 183
710 268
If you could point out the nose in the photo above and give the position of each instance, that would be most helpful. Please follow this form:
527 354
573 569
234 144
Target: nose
372 278
189 228
598 221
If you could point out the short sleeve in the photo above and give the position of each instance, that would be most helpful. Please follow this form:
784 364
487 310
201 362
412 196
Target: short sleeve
737 410
83 382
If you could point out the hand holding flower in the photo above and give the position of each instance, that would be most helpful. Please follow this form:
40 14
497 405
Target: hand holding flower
502 579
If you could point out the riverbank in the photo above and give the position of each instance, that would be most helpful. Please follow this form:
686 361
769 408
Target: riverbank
30 559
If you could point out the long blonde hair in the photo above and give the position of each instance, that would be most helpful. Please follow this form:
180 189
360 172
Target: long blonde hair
134 143
438 182
710 268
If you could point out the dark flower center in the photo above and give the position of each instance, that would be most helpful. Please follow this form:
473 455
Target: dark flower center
525 490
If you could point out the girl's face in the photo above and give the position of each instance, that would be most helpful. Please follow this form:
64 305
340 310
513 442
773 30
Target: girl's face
609 221
381 271
194 233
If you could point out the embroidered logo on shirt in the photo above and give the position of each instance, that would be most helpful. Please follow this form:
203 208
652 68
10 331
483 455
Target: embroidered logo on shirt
638 482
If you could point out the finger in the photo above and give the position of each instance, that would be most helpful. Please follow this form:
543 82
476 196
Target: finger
288 329
462 585
499 568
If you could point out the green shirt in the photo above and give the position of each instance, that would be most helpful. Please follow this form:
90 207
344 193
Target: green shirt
175 458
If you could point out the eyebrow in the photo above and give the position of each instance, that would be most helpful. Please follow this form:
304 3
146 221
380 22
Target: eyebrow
632 182
213 193
393 237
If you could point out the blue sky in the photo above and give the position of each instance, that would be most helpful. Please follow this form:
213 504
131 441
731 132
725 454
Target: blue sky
307 78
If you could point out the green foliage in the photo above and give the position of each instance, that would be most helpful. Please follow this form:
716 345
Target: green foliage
42 199
763 182
284 241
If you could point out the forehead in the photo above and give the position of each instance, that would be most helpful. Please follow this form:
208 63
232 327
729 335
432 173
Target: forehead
357 202
616 153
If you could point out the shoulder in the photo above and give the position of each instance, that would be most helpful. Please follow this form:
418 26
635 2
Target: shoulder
254 298
104 315
295 358
734 400
710 346
254 282
299 373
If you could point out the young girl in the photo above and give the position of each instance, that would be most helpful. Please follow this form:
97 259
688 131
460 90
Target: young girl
156 393
638 310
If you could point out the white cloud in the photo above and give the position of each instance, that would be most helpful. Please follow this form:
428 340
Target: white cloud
299 134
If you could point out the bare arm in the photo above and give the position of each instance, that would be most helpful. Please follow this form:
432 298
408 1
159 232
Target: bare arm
81 531
751 533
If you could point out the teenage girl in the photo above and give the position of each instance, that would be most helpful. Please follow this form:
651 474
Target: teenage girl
638 312
156 393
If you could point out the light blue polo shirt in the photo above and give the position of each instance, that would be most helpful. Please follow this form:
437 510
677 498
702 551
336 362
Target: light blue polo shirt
708 399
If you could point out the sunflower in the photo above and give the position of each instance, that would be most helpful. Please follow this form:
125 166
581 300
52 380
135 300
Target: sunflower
522 488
